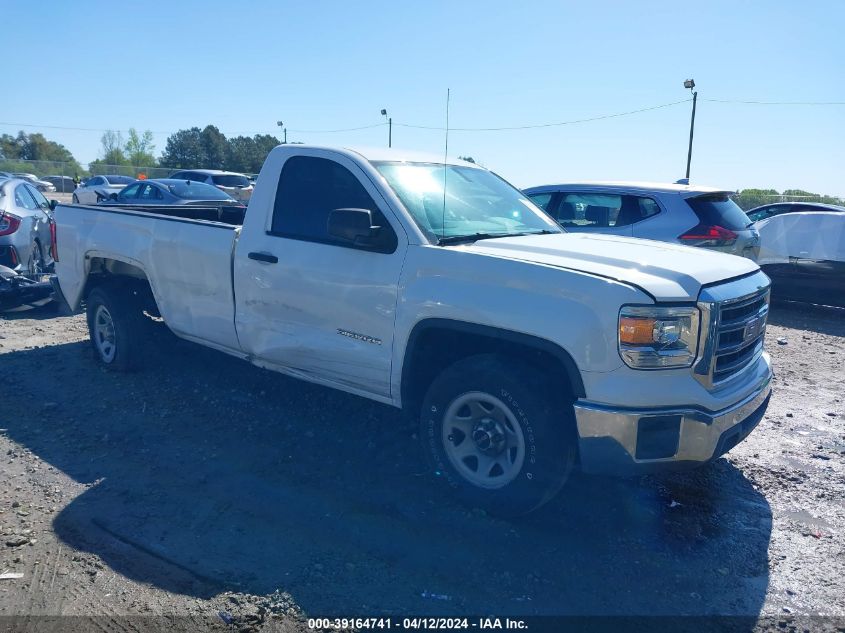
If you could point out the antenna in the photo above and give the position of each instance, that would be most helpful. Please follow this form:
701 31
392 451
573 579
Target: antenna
445 157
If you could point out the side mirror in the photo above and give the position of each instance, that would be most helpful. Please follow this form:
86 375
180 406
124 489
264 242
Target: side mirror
53 204
352 225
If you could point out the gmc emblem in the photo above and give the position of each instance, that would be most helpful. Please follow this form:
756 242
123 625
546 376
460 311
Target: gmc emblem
753 328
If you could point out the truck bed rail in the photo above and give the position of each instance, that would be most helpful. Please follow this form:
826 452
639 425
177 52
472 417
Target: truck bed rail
225 214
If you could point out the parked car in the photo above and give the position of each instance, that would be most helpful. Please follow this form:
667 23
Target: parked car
63 184
236 185
18 292
99 188
804 255
41 185
26 228
768 210
520 348
683 214
169 191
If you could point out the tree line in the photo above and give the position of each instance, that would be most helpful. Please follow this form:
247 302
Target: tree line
208 147
750 198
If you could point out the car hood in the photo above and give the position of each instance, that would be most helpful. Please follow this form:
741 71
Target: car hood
669 272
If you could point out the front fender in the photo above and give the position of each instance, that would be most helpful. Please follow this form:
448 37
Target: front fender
574 311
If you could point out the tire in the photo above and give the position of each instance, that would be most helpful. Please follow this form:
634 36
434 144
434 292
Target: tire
35 264
75 199
499 434
115 324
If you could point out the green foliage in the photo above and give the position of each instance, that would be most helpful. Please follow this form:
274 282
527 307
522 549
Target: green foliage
35 147
112 143
184 150
210 149
139 148
246 154
751 198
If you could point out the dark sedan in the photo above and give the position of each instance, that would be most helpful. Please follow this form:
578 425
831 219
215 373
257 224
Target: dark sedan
779 208
171 191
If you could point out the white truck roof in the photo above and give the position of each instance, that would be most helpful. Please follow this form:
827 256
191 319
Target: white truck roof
377 154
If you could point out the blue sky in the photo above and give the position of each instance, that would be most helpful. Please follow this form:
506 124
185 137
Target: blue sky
328 65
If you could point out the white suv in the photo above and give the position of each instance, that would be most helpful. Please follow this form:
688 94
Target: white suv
236 185
684 214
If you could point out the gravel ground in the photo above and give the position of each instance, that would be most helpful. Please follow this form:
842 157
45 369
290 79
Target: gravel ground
207 491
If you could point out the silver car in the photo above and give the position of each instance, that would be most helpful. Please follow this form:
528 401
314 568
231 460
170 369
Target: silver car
41 185
98 188
236 185
26 241
680 213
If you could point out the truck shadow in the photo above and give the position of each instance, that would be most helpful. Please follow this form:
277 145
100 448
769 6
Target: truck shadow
206 475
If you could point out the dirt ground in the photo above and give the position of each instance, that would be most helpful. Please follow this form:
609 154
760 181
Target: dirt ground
208 492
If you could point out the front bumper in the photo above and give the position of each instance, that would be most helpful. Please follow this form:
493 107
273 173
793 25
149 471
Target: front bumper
632 441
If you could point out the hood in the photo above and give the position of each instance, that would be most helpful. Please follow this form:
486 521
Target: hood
669 272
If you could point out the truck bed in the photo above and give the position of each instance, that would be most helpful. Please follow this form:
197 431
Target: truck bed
184 251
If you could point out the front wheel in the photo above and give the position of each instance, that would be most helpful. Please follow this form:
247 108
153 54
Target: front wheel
498 434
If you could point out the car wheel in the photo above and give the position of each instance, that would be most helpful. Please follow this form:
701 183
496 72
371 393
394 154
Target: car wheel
498 434
75 199
35 264
114 326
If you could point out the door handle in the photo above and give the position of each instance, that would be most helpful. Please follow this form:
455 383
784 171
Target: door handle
267 258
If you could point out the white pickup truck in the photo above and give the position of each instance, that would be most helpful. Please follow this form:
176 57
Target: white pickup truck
435 286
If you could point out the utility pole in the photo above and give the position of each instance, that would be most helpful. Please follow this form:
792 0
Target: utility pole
284 131
389 127
690 84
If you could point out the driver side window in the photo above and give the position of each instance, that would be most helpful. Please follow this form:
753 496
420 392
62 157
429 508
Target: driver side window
309 190
129 192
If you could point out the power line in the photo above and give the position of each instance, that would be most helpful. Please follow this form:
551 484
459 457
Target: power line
348 129
475 129
543 125
787 103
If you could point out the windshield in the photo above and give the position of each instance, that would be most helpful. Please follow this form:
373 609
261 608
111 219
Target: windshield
719 210
118 180
476 201
190 190
230 180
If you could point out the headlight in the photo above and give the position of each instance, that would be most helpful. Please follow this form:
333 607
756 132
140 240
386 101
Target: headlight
654 337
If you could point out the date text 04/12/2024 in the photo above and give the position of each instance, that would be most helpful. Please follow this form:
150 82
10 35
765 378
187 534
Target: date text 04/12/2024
421 623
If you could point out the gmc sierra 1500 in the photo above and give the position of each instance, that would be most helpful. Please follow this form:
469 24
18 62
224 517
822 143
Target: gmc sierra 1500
432 285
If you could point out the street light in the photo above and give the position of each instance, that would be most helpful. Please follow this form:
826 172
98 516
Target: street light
284 130
689 84
389 127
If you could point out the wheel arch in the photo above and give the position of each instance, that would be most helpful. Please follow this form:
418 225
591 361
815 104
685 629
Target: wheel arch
109 270
436 343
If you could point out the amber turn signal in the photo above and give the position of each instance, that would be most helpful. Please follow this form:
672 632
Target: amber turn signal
636 331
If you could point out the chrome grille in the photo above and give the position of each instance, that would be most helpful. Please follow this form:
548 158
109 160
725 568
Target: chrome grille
740 332
734 327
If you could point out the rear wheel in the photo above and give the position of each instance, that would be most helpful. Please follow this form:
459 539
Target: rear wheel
114 325
498 434
35 264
